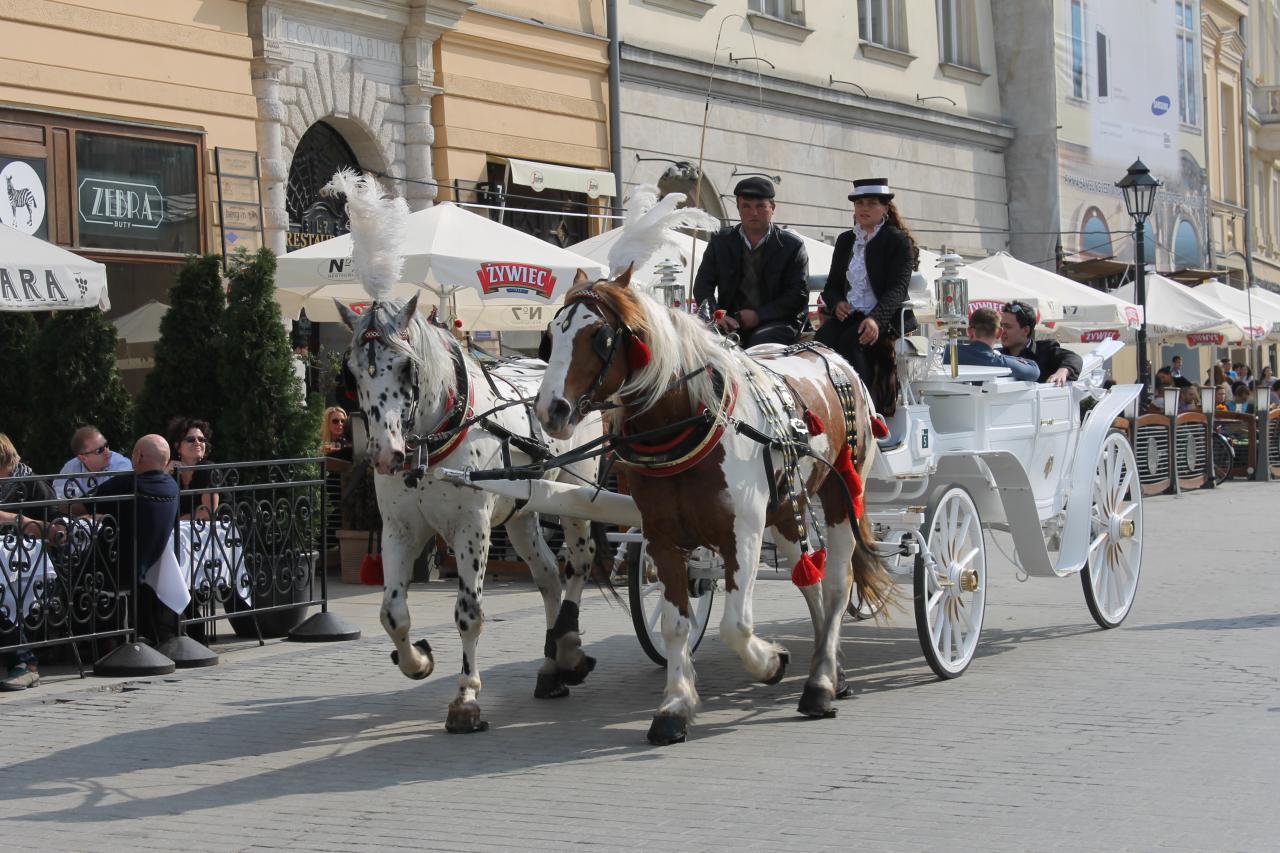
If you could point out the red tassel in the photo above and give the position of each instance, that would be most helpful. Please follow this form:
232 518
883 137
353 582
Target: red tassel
844 466
810 568
638 353
879 428
814 424
371 570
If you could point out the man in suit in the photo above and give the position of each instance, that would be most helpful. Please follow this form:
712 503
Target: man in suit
755 273
979 350
1017 334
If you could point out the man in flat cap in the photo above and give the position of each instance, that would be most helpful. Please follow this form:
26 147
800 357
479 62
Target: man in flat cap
755 273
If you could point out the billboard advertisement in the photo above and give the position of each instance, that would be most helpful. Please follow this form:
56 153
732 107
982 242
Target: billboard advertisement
1129 88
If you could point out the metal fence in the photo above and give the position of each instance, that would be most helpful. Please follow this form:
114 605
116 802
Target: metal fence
247 547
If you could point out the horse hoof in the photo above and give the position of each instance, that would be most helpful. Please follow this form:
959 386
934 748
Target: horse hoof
579 673
550 686
843 688
667 729
815 702
464 719
784 658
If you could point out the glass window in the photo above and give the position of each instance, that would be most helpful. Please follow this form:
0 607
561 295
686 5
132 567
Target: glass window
1096 238
958 33
1077 48
1185 20
1186 246
139 194
883 22
791 11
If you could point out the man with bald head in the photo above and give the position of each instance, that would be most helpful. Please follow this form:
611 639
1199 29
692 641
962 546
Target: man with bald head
154 509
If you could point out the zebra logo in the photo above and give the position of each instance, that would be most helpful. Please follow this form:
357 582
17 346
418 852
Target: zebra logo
22 205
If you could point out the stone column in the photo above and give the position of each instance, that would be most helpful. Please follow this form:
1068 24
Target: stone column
419 135
272 114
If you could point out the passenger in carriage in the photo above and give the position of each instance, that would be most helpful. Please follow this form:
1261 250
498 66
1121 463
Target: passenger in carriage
979 350
866 288
755 273
1017 333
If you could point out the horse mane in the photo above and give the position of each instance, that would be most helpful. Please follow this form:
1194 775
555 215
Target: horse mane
679 344
427 346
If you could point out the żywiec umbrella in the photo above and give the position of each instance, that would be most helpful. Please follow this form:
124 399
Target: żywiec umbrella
1175 313
488 275
39 276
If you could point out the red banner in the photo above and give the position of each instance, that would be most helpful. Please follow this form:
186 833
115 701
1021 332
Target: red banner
1096 335
516 278
1202 338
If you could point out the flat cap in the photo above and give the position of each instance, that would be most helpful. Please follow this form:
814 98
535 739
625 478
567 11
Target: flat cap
754 187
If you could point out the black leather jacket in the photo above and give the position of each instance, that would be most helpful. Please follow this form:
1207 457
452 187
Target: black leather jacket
784 277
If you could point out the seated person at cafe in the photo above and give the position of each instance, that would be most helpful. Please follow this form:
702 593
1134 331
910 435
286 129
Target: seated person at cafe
93 462
1242 398
979 350
1017 334
21 671
188 446
155 511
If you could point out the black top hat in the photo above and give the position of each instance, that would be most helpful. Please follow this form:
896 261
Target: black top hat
754 188
871 187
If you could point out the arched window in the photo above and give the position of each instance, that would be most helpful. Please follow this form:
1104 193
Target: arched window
321 151
1096 239
1186 246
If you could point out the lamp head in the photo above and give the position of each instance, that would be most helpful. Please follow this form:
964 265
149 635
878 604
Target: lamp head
1139 190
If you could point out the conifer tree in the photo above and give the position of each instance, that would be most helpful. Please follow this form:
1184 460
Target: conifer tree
185 380
17 331
265 416
80 385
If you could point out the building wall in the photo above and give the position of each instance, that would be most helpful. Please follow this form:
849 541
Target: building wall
1223 52
1263 36
943 154
510 86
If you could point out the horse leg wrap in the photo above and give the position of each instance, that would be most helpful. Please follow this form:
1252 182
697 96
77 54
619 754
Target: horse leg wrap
549 645
815 702
667 729
784 658
550 686
567 620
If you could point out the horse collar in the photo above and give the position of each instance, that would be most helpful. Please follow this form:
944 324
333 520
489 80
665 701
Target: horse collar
688 446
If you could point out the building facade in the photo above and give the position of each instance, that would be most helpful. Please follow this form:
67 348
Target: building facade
1223 25
1263 86
814 96
111 120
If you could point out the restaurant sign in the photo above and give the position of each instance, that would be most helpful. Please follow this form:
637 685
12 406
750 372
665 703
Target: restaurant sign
110 206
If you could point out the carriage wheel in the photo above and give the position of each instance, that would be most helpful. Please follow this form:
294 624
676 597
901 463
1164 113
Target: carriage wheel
951 590
1110 576
1224 458
645 591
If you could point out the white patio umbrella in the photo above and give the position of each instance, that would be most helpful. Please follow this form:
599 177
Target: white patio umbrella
1256 313
597 249
1085 311
39 276
141 325
987 290
487 275
1175 313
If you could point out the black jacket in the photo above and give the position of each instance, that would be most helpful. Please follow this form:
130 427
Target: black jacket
890 263
1050 356
784 276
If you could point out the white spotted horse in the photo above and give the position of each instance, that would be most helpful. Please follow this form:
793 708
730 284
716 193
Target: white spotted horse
719 445
428 402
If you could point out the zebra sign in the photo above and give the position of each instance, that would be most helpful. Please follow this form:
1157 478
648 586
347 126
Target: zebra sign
22 198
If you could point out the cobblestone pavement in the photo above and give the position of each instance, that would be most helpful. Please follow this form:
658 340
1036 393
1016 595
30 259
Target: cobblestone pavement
1163 734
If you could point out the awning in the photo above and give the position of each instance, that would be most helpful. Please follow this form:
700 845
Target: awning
544 176
39 276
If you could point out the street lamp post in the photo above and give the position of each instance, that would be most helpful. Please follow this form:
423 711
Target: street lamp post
1139 190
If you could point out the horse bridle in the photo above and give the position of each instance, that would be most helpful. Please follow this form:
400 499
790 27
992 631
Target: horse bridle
605 343
369 339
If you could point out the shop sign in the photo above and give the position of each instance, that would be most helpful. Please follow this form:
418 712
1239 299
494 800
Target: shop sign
239 190
22 197
242 216
522 279
1096 335
1196 339
239 200
121 205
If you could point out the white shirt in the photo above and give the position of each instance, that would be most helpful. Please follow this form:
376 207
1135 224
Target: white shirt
860 296
75 486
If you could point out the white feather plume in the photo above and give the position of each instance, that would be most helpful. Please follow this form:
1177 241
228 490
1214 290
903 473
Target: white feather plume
648 232
378 226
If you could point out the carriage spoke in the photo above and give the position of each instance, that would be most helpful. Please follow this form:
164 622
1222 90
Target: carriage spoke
964 561
957 637
934 600
1097 543
655 617
937 627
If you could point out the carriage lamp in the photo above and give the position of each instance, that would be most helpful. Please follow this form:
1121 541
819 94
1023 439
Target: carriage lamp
1139 190
1208 398
951 295
672 291
1262 408
1170 401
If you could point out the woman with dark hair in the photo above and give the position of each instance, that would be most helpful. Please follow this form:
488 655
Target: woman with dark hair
866 288
188 446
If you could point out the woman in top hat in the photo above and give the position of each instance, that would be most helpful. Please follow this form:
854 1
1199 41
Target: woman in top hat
866 288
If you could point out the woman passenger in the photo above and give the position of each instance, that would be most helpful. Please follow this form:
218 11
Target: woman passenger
189 445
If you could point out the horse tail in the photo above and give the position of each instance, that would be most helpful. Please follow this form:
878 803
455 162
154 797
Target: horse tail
601 573
874 585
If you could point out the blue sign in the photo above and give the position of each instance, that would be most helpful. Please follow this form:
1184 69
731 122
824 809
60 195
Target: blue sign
1161 105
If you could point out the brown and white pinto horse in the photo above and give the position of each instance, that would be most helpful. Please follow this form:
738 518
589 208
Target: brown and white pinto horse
670 368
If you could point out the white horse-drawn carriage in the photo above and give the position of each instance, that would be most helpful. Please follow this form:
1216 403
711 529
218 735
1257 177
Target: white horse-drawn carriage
722 446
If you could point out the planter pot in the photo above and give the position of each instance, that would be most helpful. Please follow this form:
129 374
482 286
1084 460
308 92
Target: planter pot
353 545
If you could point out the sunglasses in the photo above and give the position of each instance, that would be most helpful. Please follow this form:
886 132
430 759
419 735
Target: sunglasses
194 439
97 451
1017 309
